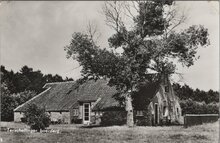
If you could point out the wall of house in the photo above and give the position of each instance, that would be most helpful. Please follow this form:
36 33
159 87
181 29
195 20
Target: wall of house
151 108
79 118
76 119
64 117
168 100
18 116
96 117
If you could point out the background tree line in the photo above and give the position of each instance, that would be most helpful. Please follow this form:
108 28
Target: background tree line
197 101
27 79
19 87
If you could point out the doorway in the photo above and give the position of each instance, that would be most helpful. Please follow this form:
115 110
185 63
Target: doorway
156 113
86 113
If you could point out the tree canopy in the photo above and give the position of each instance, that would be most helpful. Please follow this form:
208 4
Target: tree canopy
151 43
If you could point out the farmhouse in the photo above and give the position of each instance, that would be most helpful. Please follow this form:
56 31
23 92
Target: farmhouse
68 102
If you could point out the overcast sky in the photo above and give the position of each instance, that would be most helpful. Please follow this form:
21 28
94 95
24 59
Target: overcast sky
35 33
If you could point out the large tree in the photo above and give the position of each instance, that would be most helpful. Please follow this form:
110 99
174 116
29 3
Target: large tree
149 41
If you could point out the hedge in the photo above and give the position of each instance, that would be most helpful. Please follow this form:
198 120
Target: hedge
113 118
192 107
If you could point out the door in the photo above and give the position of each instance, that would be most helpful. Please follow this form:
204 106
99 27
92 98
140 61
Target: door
156 113
86 113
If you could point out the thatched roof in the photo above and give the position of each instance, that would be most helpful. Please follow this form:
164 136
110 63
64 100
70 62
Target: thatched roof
65 95
144 95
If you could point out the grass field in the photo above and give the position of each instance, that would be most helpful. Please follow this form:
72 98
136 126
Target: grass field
206 133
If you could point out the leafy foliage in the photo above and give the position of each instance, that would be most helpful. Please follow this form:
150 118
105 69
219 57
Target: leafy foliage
22 97
185 92
145 120
192 107
113 118
36 117
8 103
150 21
197 101
27 79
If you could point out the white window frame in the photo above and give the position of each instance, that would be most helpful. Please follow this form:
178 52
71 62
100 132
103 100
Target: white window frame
86 121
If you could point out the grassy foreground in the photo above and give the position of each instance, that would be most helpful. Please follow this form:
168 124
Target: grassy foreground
206 133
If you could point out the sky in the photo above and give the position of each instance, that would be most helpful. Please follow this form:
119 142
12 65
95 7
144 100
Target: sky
35 33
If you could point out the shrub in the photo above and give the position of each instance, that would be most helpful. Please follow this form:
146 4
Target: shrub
76 121
192 107
36 117
23 120
145 120
113 118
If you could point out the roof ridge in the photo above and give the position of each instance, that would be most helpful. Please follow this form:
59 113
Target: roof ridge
60 82
51 83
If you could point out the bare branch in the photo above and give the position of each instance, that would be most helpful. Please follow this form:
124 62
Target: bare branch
93 33
174 19
134 5
127 7
112 12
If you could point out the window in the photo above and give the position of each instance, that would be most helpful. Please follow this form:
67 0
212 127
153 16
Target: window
177 110
166 88
164 110
75 112
139 113
86 111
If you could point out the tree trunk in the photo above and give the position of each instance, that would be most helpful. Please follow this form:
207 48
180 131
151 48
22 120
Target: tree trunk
129 109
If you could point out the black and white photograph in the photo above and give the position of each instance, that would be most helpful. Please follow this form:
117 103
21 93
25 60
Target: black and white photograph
109 71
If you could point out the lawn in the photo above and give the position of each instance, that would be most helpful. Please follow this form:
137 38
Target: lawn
206 133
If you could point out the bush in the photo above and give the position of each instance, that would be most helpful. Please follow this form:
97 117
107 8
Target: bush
23 120
113 118
145 120
36 117
192 107
76 121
